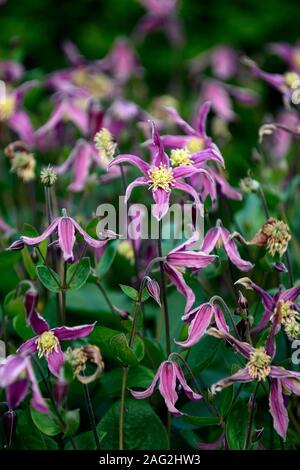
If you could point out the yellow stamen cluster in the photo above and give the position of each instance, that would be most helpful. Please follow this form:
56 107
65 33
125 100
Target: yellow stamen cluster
292 79
105 143
77 358
48 176
7 108
99 85
258 365
125 249
161 177
180 157
195 144
278 236
249 185
46 343
288 317
23 164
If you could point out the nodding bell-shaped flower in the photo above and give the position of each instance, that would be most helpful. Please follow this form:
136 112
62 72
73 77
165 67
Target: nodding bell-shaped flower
258 368
66 227
169 374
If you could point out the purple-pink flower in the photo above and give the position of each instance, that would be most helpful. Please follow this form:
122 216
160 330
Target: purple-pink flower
180 258
17 377
159 176
199 320
221 237
258 368
65 227
168 375
47 341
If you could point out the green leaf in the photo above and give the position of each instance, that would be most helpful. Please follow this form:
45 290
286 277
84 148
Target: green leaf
72 420
201 421
8 260
28 263
27 435
143 429
78 274
107 259
13 305
86 440
47 279
22 328
133 293
46 423
114 344
236 426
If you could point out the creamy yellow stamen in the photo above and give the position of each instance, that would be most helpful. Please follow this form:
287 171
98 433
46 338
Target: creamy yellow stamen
105 143
46 343
195 144
278 236
180 157
292 79
161 177
7 108
258 365
125 249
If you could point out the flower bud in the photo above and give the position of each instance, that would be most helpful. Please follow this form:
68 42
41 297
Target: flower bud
242 301
154 290
48 176
17 245
122 313
281 267
9 426
60 390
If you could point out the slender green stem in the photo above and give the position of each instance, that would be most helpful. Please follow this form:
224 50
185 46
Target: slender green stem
264 202
122 408
106 298
91 414
251 418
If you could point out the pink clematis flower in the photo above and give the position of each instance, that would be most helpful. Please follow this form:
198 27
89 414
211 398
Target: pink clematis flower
160 15
159 176
121 61
221 236
13 114
286 83
183 257
222 59
47 341
281 309
199 320
17 377
66 228
259 367
196 141
168 374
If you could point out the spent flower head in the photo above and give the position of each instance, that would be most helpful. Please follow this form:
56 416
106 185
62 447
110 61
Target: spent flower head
106 144
48 176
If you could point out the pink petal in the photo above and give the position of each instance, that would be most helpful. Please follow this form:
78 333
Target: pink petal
167 386
21 125
278 409
16 392
180 122
81 168
142 181
55 361
188 189
198 326
37 401
37 240
66 237
161 206
202 118
190 259
146 393
159 156
241 376
28 347
143 166
187 390
220 319
73 332
177 279
90 240
232 252
11 369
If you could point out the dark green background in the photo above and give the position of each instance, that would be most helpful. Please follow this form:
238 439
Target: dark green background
39 27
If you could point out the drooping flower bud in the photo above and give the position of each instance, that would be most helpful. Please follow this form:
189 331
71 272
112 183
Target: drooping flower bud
242 301
122 313
17 245
281 267
154 290
9 426
48 176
